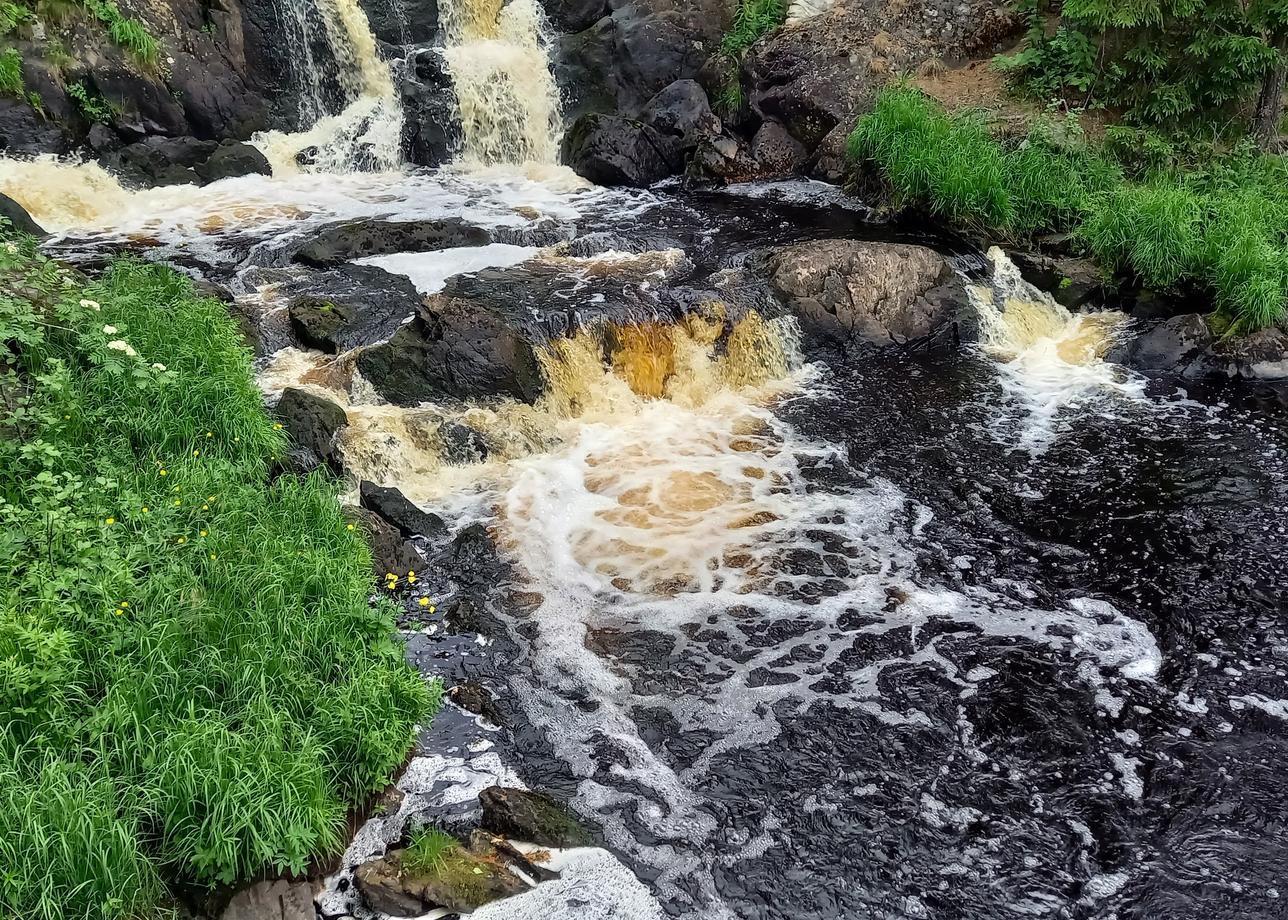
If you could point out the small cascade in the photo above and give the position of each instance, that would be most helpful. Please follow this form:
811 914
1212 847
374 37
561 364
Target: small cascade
60 194
367 133
1049 357
508 100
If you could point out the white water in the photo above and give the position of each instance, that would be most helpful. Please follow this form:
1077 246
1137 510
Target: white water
429 271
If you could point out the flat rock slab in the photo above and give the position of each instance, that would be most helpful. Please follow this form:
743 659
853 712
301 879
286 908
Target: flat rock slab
272 900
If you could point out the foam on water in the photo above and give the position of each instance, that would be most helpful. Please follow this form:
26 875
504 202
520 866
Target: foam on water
429 271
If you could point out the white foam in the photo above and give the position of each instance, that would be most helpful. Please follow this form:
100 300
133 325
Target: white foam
429 271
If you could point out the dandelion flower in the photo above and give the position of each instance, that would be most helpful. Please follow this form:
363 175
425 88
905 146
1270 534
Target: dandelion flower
178 502
90 305
110 521
213 557
390 575
118 345
411 579
118 612
205 507
424 602
164 473
277 426
145 509
348 527
196 453
210 434
205 533
182 540
125 604
158 366
110 330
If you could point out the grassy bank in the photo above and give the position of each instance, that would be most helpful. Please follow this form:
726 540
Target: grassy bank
1222 225
193 686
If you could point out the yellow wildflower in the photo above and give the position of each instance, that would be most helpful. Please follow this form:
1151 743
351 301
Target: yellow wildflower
110 521
196 453
178 502
182 540
205 507
424 602
213 557
205 533
125 605
277 426
163 473
348 527
145 509
210 434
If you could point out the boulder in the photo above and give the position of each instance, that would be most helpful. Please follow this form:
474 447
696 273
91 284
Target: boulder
390 550
431 120
17 215
1071 280
530 817
400 511
373 236
575 15
24 132
273 899
1177 345
407 22
474 697
855 292
609 150
231 160
362 304
459 881
1262 355
160 160
776 152
724 158
829 162
682 110
311 421
145 103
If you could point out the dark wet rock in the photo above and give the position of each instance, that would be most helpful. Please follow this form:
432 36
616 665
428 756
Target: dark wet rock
530 816
146 105
460 882
23 131
474 697
356 239
500 850
776 152
473 545
609 150
17 215
575 15
1071 280
682 110
431 120
231 160
399 510
404 22
311 420
390 550
829 162
1261 355
461 444
725 158
1174 345
625 58
878 293
160 160
453 348
361 304
273 899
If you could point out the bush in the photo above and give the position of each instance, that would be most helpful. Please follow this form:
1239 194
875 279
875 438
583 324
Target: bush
190 635
1223 225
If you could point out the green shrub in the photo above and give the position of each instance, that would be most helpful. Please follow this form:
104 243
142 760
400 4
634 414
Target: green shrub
187 632
130 34
93 107
11 74
13 15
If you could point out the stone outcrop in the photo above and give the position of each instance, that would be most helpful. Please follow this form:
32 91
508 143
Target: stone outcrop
460 881
854 292
609 150
531 817
1186 345
353 305
311 421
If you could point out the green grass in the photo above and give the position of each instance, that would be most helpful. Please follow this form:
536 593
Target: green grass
13 15
1221 225
130 34
752 20
194 686
11 73
430 849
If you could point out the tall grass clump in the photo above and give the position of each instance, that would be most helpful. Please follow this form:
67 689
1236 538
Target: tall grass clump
194 687
1222 225
11 83
752 20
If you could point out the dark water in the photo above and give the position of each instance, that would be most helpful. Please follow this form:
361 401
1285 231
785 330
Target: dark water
946 706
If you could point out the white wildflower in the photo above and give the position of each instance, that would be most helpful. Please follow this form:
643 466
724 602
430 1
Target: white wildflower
158 367
118 345
90 305
11 247
110 330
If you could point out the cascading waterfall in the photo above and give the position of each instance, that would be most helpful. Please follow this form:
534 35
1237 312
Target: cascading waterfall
508 100
367 133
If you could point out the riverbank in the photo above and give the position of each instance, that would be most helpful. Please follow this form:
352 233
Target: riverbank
1217 229
196 687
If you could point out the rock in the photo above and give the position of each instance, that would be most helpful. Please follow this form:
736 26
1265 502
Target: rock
311 420
231 160
431 120
390 550
500 850
575 15
474 697
275 899
460 881
1170 346
145 103
724 158
776 152
625 58
1262 355
400 511
363 304
682 110
530 817
356 239
407 22
867 292
17 215
24 132
160 160
1072 281
830 162
609 150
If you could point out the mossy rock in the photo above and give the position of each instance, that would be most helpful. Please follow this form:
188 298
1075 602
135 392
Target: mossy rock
458 880
530 816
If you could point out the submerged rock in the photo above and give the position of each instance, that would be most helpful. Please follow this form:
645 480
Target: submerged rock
609 150
868 292
232 160
459 881
530 816
356 239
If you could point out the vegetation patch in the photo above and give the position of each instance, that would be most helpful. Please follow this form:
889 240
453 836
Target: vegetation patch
752 20
11 73
194 686
1222 225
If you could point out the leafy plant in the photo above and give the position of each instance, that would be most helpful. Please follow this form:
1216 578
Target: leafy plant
13 15
429 849
92 106
194 686
129 33
11 73
752 20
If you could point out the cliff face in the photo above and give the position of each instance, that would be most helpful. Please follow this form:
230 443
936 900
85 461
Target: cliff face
220 72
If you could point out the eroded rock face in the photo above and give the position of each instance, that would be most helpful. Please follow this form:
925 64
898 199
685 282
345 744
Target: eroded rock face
609 150
855 292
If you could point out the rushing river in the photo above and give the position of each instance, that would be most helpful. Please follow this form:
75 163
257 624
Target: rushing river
800 633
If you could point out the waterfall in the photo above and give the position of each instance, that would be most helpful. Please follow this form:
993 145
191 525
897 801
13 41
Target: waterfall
367 133
509 103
